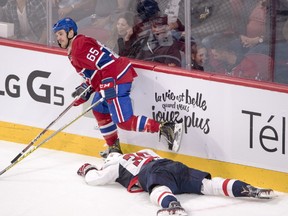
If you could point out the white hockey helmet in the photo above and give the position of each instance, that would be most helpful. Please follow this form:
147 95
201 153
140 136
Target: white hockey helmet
112 156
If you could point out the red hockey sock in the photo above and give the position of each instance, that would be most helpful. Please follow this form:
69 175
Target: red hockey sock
140 124
107 127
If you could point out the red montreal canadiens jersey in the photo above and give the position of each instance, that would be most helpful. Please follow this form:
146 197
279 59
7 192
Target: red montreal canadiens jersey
94 62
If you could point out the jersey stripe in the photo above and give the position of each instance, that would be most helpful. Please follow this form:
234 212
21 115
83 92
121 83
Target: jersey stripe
141 122
86 73
104 60
108 129
121 74
118 110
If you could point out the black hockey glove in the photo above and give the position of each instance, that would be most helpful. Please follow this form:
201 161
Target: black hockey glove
78 91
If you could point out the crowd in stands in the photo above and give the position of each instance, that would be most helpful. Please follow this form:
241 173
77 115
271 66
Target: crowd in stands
28 17
233 37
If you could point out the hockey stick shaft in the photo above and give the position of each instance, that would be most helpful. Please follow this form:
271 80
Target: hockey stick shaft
52 123
51 136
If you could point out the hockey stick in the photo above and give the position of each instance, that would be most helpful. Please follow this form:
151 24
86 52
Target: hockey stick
52 123
50 137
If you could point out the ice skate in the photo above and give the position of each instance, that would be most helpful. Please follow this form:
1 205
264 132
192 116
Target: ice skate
174 209
172 132
251 191
113 148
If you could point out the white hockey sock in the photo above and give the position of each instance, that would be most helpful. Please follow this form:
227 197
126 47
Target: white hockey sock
218 186
162 196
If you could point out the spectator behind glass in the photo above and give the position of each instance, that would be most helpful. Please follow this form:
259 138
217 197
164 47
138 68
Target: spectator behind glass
256 32
100 23
198 56
78 9
281 55
105 13
252 65
121 31
210 17
161 46
152 34
29 18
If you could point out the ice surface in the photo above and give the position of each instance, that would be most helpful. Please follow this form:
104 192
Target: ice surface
46 184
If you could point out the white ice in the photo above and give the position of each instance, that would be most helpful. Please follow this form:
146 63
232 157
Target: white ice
46 184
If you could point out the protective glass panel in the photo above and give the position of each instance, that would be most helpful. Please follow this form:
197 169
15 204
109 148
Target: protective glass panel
237 38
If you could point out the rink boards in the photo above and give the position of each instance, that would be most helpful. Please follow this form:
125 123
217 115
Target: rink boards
232 128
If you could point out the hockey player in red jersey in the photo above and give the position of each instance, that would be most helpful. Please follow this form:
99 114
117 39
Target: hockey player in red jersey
163 179
111 77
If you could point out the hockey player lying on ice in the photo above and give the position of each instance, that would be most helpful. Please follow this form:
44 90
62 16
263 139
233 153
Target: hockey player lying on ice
163 179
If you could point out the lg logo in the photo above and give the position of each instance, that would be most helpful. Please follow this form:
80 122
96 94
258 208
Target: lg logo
44 94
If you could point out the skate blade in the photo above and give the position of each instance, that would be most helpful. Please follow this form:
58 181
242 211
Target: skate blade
267 195
178 136
174 212
104 154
